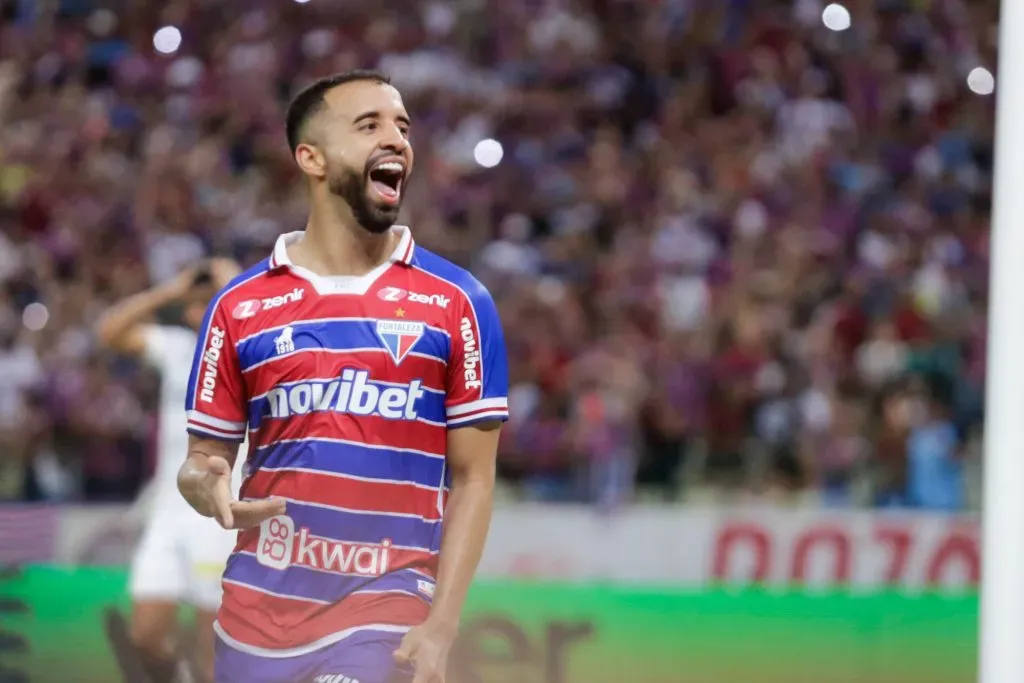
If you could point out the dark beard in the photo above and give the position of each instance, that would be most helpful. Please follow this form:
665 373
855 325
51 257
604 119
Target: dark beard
352 187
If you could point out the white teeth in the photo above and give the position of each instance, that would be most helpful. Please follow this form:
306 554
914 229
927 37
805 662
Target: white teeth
390 166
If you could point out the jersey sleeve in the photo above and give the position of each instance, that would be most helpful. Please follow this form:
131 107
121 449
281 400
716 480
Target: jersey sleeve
162 346
216 403
155 345
478 365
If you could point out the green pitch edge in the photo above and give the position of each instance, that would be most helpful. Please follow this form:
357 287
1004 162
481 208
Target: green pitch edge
525 632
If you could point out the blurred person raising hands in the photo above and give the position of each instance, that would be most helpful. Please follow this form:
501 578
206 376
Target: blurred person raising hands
181 556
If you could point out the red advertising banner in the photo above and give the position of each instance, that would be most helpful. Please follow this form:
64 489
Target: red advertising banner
677 545
836 553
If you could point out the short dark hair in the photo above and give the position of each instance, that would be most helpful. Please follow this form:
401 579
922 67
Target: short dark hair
310 99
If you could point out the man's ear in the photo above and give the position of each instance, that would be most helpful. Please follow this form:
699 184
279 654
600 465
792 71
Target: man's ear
310 160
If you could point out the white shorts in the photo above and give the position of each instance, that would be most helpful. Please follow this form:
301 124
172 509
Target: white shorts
181 557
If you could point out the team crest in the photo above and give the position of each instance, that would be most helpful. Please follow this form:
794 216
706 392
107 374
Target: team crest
399 336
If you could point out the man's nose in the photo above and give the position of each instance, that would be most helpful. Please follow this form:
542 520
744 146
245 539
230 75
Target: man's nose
395 141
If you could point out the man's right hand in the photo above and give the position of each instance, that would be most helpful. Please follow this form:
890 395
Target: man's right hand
215 492
223 271
181 285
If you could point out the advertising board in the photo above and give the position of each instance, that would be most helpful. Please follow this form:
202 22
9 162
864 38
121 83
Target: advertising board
683 546
689 546
69 625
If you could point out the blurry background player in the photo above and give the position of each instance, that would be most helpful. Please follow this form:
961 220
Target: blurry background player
181 556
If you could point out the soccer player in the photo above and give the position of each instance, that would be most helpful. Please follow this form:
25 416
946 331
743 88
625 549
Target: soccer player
181 555
371 378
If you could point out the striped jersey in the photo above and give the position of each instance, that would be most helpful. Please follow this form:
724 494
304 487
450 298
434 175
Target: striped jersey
347 387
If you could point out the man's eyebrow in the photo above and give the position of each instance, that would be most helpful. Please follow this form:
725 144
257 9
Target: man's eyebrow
366 115
401 118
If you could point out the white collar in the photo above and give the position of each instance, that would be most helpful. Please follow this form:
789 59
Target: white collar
402 254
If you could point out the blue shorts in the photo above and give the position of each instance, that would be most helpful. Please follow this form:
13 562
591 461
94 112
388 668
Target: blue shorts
363 657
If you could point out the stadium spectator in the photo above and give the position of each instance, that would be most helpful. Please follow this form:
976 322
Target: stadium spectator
720 235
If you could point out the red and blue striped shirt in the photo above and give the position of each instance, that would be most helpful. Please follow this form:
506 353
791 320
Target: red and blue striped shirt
347 388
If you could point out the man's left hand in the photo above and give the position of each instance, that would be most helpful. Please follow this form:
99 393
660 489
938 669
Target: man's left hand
426 647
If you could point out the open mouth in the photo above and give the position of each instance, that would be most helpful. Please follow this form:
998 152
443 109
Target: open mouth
386 179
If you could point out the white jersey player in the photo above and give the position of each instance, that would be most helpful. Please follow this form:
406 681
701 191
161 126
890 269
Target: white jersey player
181 556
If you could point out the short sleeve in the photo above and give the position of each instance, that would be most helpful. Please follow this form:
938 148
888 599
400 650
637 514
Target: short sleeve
215 403
163 345
154 345
477 388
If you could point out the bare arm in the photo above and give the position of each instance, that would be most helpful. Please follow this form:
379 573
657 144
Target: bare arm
476 403
196 469
471 458
122 327
204 480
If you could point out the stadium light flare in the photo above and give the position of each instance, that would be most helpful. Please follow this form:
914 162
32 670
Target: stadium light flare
35 316
981 81
167 40
488 153
836 17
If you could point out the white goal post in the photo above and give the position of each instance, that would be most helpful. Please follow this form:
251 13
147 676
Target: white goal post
1002 587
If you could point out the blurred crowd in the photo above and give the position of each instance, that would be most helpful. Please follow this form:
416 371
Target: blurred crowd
734 251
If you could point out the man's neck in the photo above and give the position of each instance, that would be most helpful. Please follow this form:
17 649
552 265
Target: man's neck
335 244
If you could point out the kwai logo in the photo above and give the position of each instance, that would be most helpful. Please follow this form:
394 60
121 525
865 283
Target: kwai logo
352 393
250 307
280 546
344 558
210 359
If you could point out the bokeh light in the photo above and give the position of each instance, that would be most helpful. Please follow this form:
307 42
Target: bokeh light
167 40
981 81
35 316
488 153
836 17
